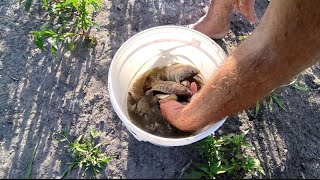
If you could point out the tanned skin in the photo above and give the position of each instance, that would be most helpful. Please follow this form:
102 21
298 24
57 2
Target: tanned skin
286 42
216 22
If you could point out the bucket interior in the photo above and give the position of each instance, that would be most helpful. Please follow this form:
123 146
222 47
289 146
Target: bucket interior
158 47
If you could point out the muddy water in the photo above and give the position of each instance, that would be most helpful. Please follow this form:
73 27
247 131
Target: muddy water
144 110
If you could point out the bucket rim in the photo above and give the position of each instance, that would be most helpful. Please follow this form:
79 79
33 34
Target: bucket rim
158 140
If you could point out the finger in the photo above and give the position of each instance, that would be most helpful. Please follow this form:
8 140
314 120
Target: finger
171 105
193 87
171 109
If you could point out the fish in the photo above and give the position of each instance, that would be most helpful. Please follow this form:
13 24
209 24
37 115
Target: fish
199 80
167 97
169 87
158 84
149 113
180 72
143 82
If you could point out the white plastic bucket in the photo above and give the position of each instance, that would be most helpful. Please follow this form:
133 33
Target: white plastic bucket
160 46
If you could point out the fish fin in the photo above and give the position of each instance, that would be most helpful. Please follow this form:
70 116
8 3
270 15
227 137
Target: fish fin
133 97
149 93
133 107
199 78
150 80
177 79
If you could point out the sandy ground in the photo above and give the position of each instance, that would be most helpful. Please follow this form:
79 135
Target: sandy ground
41 95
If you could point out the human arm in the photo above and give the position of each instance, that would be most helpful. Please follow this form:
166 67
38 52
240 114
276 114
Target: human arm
286 41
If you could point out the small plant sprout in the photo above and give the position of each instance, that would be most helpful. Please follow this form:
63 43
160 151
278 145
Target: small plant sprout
257 109
67 19
297 86
300 87
274 98
225 155
242 38
28 171
86 154
27 4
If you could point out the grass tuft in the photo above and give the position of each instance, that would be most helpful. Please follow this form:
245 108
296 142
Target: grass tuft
225 157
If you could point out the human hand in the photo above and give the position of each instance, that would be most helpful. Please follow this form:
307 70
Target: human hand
171 109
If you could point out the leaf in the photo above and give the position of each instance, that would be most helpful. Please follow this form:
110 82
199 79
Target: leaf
53 50
53 42
260 169
68 34
226 168
246 144
241 38
96 4
78 139
218 164
48 33
75 4
106 159
195 175
44 26
39 42
270 103
301 88
71 46
98 145
244 133
220 172
80 149
92 133
27 5
63 140
29 167
257 109
276 99
204 168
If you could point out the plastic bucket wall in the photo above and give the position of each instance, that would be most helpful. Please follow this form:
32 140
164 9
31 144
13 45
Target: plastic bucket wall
160 46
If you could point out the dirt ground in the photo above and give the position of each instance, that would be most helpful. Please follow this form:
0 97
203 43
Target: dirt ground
40 95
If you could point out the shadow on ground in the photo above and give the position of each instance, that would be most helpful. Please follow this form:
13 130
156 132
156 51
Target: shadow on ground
130 17
287 143
40 95
144 159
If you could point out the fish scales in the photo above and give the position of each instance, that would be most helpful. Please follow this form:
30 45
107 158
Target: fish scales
180 72
170 87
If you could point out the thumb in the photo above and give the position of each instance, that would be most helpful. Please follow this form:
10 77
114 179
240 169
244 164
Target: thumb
171 110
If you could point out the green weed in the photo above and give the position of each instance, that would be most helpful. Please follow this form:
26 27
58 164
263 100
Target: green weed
241 38
68 19
257 109
298 86
28 172
274 97
225 157
27 4
85 153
